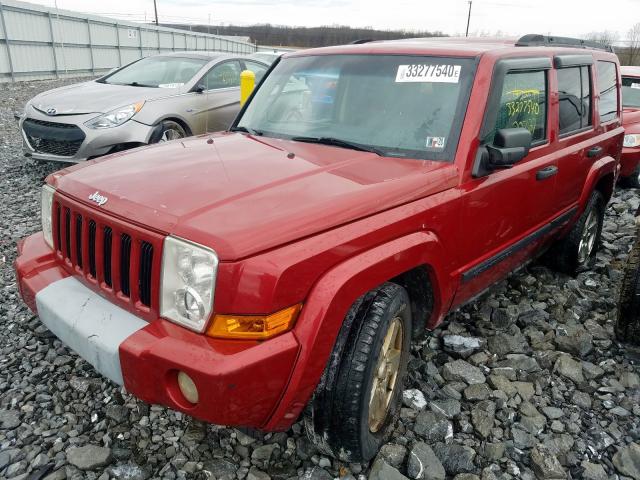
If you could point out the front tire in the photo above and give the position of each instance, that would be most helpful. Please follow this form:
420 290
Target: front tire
632 181
354 409
628 321
169 130
577 251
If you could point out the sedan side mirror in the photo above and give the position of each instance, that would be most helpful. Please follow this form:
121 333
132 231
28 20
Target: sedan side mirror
200 88
510 145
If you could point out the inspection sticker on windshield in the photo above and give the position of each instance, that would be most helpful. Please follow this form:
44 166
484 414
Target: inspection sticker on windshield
428 73
635 85
435 142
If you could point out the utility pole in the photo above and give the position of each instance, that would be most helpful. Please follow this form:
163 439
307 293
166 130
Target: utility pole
155 9
468 18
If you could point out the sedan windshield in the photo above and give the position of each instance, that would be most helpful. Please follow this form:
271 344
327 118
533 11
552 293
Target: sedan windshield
158 71
394 105
631 92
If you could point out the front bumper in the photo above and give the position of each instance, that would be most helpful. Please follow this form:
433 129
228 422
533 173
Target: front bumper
239 383
95 143
629 161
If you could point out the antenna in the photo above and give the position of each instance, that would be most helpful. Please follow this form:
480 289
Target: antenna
468 18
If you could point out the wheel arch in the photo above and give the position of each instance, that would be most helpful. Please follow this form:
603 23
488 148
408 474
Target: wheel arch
601 177
406 260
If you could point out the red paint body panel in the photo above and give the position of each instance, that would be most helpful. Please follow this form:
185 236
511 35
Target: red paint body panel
630 157
321 229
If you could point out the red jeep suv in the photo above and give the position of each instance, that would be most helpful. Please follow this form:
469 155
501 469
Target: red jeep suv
285 266
630 159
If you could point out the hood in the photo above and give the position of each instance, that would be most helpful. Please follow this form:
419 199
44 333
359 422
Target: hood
631 119
240 195
95 97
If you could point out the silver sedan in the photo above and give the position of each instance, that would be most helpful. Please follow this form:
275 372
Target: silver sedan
158 98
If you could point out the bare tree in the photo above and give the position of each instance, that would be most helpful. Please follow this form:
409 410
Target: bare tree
606 37
633 45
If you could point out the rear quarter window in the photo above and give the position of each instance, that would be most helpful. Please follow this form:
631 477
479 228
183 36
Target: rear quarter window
607 82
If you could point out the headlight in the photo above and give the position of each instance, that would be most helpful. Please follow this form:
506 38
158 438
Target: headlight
115 117
632 140
188 283
46 206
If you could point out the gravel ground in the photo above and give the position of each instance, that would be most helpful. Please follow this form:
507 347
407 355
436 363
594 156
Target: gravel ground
526 383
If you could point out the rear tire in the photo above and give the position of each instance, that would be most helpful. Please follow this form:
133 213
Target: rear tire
577 251
628 321
357 402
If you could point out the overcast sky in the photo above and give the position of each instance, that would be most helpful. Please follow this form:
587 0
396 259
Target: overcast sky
512 17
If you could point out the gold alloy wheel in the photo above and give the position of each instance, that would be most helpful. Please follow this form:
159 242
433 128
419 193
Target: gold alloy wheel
385 375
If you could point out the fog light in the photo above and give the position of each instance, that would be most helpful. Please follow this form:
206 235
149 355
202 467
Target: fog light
188 387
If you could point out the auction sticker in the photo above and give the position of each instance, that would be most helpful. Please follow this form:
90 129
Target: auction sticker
428 73
635 85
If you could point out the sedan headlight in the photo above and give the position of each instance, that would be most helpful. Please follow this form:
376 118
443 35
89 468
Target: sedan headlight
188 283
46 206
115 117
632 140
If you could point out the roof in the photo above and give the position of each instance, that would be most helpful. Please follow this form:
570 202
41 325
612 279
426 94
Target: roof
204 55
630 71
454 46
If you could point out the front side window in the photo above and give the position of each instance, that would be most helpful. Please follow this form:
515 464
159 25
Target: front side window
574 95
631 92
403 106
607 82
223 75
257 68
523 104
159 71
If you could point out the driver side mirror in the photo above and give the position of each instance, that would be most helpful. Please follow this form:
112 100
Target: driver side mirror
510 145
201 87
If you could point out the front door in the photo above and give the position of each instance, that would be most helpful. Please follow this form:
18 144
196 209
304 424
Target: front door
506 211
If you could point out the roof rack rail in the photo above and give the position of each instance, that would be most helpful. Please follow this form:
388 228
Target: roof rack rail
362 40
533 40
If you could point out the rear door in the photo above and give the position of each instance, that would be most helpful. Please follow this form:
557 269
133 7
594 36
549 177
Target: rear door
507 211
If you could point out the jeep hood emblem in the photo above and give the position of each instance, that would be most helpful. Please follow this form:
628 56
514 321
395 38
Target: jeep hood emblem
99 199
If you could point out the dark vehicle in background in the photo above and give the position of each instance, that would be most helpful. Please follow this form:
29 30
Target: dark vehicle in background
630 159
154 99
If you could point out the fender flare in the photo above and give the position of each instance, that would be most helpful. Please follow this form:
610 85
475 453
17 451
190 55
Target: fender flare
602 167
333 295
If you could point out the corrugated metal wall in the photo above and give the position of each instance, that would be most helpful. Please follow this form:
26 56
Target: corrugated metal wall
40 43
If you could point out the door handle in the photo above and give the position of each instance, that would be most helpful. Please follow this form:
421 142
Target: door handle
594 152
546 172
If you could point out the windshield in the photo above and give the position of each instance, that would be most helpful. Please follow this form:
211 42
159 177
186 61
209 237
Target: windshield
158 71
403 106
631 92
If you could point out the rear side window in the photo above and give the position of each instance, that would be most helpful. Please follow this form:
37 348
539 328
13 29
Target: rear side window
523 103
256 68
574 90
608 104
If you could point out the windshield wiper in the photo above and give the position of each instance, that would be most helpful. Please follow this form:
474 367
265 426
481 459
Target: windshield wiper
248 130
336 142
136 84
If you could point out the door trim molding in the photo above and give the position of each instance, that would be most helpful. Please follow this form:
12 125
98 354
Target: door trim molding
502 255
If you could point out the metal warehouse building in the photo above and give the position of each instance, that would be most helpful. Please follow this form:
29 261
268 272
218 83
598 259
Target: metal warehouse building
39 42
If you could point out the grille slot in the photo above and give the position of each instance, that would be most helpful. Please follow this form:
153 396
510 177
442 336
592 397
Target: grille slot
108 245
92 248
125 264
144 278
67 232
79 240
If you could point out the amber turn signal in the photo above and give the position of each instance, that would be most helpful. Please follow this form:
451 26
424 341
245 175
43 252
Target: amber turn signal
253 327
